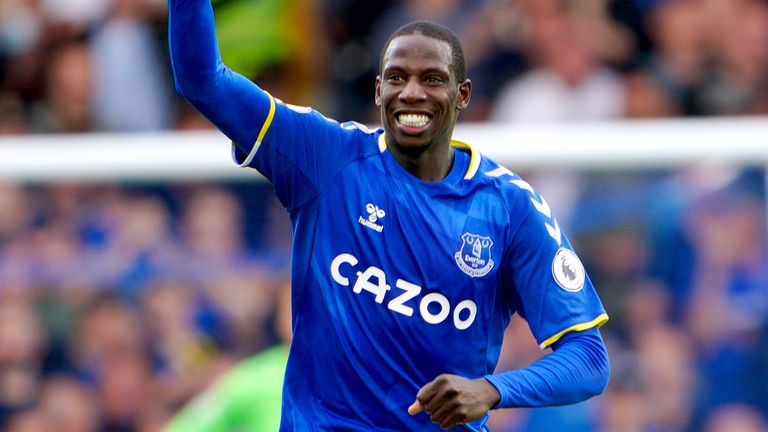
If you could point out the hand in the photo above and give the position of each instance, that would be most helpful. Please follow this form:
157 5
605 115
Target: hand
451 400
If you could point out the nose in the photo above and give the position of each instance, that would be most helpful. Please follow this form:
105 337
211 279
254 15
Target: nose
413 91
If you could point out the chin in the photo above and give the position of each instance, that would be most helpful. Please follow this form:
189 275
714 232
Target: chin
414 140
409 143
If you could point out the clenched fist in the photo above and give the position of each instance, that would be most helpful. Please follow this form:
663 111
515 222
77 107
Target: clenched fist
451 400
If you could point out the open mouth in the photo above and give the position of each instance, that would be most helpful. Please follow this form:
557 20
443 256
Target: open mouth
413 120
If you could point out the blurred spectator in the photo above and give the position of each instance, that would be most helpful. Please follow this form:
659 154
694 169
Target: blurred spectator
352 58
735 418
125 389
69 404
244 297
131 85
24 32
77 13
739 83
248 396
15 210
67 106
32 420
667 376
13 120
212 226
644 97
107 326
567 82
646 307
609 40
624 410
22 346
727 287
679 58
493 42
184 345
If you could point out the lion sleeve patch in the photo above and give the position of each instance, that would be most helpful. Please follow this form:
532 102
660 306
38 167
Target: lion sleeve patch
568 271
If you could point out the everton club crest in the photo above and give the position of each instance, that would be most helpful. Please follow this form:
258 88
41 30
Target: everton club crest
474 257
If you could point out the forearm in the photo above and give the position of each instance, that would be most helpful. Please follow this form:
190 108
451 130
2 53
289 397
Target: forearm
577 370
194 50
232 102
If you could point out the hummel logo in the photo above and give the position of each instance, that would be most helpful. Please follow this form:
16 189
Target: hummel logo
374 214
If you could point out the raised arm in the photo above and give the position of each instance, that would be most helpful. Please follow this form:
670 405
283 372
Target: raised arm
237 106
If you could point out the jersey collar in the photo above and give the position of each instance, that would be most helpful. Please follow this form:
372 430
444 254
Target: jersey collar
474 159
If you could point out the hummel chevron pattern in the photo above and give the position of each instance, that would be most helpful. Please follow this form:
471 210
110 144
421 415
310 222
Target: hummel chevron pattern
538 201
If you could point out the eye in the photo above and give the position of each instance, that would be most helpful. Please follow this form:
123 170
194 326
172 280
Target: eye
433 79
394 77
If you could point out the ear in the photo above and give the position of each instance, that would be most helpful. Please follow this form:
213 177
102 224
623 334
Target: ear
465 94
377 97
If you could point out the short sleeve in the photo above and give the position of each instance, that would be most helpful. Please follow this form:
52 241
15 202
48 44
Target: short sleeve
553 290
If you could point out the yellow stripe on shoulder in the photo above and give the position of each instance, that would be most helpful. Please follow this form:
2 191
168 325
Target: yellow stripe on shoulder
262 132
474 158
268 121
597 322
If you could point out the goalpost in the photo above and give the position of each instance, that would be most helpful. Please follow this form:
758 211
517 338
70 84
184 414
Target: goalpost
197 155
205 155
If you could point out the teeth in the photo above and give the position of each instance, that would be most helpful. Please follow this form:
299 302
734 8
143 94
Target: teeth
413 120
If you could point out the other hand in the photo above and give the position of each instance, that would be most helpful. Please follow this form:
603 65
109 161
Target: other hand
451 400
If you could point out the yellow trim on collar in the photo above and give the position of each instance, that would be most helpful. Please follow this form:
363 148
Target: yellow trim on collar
382 143
599 321
474 156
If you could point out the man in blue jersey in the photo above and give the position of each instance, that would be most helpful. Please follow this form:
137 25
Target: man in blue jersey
411 250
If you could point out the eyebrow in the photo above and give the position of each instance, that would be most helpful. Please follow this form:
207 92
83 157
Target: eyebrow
424 72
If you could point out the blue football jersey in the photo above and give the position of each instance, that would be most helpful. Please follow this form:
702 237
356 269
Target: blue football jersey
396 280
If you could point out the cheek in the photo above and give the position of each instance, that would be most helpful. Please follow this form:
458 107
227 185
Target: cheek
385 97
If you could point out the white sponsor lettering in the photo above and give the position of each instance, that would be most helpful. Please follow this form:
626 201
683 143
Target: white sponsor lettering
397 304
342 258
379 289
467 305
374 281
428 316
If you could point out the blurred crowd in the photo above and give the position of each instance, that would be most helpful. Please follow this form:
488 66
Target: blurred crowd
119 303
85 65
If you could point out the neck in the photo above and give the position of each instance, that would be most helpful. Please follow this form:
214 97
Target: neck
431 165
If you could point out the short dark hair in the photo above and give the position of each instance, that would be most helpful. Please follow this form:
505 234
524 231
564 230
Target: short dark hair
437 31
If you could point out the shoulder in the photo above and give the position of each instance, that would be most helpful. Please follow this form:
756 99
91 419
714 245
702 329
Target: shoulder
524 204
512 188
368 141
309 123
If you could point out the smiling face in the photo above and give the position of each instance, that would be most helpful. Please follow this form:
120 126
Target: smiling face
419 96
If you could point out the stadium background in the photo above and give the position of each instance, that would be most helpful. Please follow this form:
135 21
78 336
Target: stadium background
127 286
